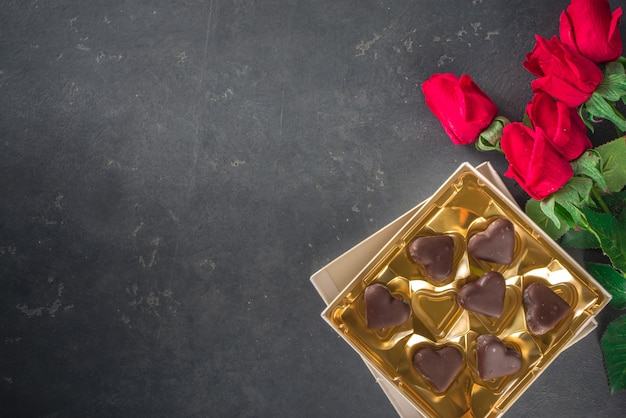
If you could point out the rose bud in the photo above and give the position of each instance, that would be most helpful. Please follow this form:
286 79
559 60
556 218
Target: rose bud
563 127
563 73
463 109
589 27
536 166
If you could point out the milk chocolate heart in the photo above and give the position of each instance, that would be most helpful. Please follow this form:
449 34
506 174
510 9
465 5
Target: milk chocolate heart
439 367
495 244
435 253
494 359
485 295
382 309
544 308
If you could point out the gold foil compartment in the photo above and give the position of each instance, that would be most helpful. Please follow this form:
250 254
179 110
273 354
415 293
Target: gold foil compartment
463 206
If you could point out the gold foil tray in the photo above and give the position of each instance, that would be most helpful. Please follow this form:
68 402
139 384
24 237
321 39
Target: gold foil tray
461 207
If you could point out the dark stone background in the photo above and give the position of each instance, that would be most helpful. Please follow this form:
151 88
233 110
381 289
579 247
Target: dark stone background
172 172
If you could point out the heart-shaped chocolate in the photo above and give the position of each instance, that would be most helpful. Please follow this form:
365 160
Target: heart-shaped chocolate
544 308
494 359
485 295
382 309
439 367
435 253
495 244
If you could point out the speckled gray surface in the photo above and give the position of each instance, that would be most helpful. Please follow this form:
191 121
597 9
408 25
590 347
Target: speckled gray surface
172 173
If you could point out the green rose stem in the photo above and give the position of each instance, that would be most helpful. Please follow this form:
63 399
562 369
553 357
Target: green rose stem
618 129
600 202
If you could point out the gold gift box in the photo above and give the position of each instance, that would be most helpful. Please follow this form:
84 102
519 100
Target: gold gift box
463 205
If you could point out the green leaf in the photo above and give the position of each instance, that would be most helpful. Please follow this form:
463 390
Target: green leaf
589 164
613 345
611 232
616 202
615 67
565 204
534 211
572 197
613 155
599 108
577 191
612 281
580 239
548 207
612 87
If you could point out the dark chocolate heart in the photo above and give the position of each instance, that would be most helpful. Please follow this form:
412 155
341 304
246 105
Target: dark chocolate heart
435 253
485 295
382 309
495 244
494 359
439 367
544 308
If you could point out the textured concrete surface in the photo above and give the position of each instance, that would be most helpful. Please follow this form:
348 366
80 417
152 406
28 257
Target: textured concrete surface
172 172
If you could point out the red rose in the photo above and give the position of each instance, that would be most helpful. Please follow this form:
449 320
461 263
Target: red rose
589 27
463 109
533 162
563 127
563 73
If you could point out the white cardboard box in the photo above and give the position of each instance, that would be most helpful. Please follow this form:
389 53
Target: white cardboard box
335 276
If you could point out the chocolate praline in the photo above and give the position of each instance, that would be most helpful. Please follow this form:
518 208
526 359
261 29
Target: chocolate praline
382 309
496 244
544 308
435 253
438 366
494 359
485 295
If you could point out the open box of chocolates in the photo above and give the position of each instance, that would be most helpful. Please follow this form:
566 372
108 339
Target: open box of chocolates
465 304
